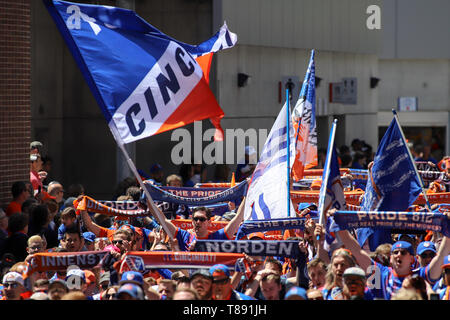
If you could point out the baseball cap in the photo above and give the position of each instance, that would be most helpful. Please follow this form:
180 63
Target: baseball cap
304 205
105 277
89 236
35 145
76 273
201 272
425 246
219 269
132 289
57 281
296 291
90 276
256 235
354 271
132 277
39 296
446 262
403 245
13 277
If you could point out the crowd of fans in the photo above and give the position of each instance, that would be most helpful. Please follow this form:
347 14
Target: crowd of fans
42 218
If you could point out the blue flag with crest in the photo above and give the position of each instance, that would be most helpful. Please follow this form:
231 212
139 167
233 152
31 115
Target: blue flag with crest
392 184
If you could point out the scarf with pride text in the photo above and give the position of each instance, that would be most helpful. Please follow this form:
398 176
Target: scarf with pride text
197 196
418 220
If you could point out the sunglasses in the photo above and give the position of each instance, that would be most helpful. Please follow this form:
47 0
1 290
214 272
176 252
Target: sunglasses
13 285
109 296
104 286
352 282
117 241
427 255
402 252
221 281
202 219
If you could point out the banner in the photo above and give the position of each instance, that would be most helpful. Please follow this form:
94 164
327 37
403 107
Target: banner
304 123
176 260
52 261
287 248
433 221
144 81
186 224
197 196
251 226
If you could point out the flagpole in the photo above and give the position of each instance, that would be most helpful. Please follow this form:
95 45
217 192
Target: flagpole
327 174
155 211
412 159
288 147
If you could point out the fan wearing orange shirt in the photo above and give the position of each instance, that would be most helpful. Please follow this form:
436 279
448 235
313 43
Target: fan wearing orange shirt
20 193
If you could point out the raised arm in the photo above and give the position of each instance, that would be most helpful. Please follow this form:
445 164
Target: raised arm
438 260
89 224
232 227
167 225
362 257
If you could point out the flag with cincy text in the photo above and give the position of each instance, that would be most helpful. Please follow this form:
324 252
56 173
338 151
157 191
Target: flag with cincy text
144 81
392 184
267 193
304 123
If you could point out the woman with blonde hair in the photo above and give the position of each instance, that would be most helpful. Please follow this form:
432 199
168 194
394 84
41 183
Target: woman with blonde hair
340 261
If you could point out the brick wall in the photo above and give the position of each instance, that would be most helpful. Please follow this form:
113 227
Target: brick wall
15 94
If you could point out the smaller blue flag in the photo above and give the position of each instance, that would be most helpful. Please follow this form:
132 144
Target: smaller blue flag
392 184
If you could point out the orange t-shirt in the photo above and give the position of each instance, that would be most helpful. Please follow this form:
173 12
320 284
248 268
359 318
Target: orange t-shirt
13 207
105 232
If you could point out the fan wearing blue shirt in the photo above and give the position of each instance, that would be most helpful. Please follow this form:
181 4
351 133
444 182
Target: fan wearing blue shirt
385 281
201 220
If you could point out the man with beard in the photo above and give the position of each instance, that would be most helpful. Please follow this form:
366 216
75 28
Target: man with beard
201 282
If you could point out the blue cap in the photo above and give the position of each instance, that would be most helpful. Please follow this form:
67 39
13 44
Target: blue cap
296 291
304 205
403 245
446 264
132 289
89 236
425 246
218 269
132 277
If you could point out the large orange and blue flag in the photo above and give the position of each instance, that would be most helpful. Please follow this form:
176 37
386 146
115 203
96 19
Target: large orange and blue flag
304 123
144 81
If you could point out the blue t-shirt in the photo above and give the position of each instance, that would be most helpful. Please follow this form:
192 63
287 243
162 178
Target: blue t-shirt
390 282
185 238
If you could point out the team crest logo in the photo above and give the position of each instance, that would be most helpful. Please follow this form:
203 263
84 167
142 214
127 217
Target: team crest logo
132 263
